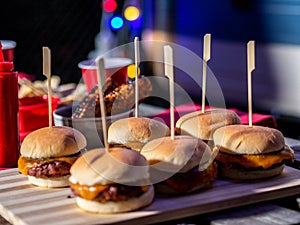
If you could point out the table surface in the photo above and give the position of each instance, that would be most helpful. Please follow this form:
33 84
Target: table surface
24 203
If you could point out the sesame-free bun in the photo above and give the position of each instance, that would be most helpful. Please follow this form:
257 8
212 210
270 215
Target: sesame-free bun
53 182
118 165
119 206
178 155
108 167
180 165
136 132
53 141
244 139
203 125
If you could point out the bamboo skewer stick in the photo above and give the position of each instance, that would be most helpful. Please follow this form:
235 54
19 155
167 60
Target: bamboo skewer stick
251 67
137 63
101 81
47 73
206 57
169 72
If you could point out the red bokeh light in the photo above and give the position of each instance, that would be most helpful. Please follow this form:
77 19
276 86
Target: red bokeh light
110 5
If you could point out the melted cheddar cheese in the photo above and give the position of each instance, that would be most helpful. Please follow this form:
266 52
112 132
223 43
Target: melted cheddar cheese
260 160
24 164
91 192
88 192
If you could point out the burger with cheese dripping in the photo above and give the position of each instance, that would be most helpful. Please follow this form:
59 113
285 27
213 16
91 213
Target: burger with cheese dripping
48 153
250 152
111 181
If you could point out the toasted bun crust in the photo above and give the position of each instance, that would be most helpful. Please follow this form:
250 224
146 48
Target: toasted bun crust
118 165
117 207
238 174
54 182
203 125
178 155
56 141
243 139
133 129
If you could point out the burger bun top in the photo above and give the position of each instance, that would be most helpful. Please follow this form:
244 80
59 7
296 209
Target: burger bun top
202 125
56 141
134 129
117 165
244 139
178 155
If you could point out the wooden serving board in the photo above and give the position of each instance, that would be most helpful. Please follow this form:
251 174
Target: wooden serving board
23 203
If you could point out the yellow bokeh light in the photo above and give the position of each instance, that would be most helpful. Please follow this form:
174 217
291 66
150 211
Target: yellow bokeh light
131 13
131 71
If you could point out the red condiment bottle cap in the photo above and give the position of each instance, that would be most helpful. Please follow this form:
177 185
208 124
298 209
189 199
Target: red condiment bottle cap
5 66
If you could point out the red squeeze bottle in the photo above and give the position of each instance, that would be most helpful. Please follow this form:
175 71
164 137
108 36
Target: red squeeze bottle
9 109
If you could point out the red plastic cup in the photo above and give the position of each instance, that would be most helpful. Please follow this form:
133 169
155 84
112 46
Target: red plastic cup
33 113
116 68
8 48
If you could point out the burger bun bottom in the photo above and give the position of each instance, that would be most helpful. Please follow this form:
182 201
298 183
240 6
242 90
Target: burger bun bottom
238 174
117 207
54 182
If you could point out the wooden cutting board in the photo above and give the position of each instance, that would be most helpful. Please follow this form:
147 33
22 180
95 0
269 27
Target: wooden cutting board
23 203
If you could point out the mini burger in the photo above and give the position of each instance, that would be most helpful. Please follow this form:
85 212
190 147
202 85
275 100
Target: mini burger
251 152
112 181
179 166
202 125
135 132
48 153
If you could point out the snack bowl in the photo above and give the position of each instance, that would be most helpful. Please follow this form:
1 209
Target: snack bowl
90 127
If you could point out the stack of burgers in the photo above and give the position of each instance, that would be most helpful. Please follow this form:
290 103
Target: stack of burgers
143 159
122 179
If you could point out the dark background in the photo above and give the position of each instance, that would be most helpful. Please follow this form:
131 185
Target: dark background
67 27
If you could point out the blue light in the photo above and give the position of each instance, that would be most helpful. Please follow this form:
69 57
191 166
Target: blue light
136 24
116 23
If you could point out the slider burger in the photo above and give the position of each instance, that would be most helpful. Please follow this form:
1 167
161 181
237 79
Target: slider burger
202 125
179 166
48 153
111 181
135 132
251 152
